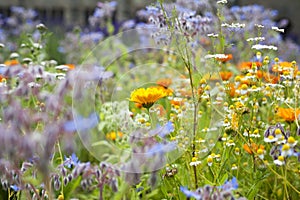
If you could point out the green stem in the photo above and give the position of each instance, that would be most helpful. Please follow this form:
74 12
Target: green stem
62 162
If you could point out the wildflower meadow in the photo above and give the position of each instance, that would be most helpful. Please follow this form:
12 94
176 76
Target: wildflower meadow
189 100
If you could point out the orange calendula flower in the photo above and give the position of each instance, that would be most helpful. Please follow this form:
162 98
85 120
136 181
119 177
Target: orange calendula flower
11 62
270 78
71 66
225 75
259 74
227 58
252 148
147 97
230 89
166 82
288 114
248 65
177 103
168 91
283 67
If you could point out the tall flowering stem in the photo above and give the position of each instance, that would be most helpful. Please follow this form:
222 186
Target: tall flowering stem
187 64
185 54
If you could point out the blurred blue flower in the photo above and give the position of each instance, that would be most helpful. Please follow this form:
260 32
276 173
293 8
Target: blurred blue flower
161 148
166 129
82 124
162 131
113 3
98 13
71 161
189 193
230 185
14 188
17 9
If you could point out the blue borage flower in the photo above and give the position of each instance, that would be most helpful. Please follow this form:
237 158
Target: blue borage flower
82 124
15 188
71 161
162 131
208 192
230 185
161 148
189 193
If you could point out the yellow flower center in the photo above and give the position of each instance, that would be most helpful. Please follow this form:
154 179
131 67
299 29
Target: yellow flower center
285 147
277 131
260 151
244 87
209 159
271 137
281 158
194 159
291 140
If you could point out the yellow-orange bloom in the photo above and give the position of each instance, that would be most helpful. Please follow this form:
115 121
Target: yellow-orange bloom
166 82
253 148
147 97
225 75
248 65
71 66
11 62
270 78
113 135
227 58
288 114
282 67
230 89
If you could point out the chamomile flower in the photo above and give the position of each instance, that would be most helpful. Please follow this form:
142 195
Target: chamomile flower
270 139
279 161
209 160
234 167
195 162
286 150
291 141
230 143
260 152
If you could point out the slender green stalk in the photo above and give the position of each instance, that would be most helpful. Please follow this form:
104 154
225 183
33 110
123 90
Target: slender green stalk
62 162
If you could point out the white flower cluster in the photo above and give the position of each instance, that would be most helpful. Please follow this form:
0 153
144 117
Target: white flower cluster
219 56
262 46
259 26
256 39
222 2
278 29
213 35
233 25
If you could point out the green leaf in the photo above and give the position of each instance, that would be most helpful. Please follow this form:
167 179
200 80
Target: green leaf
224 178
70 188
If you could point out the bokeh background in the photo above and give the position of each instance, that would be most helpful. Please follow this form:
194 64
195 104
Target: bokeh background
68 13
